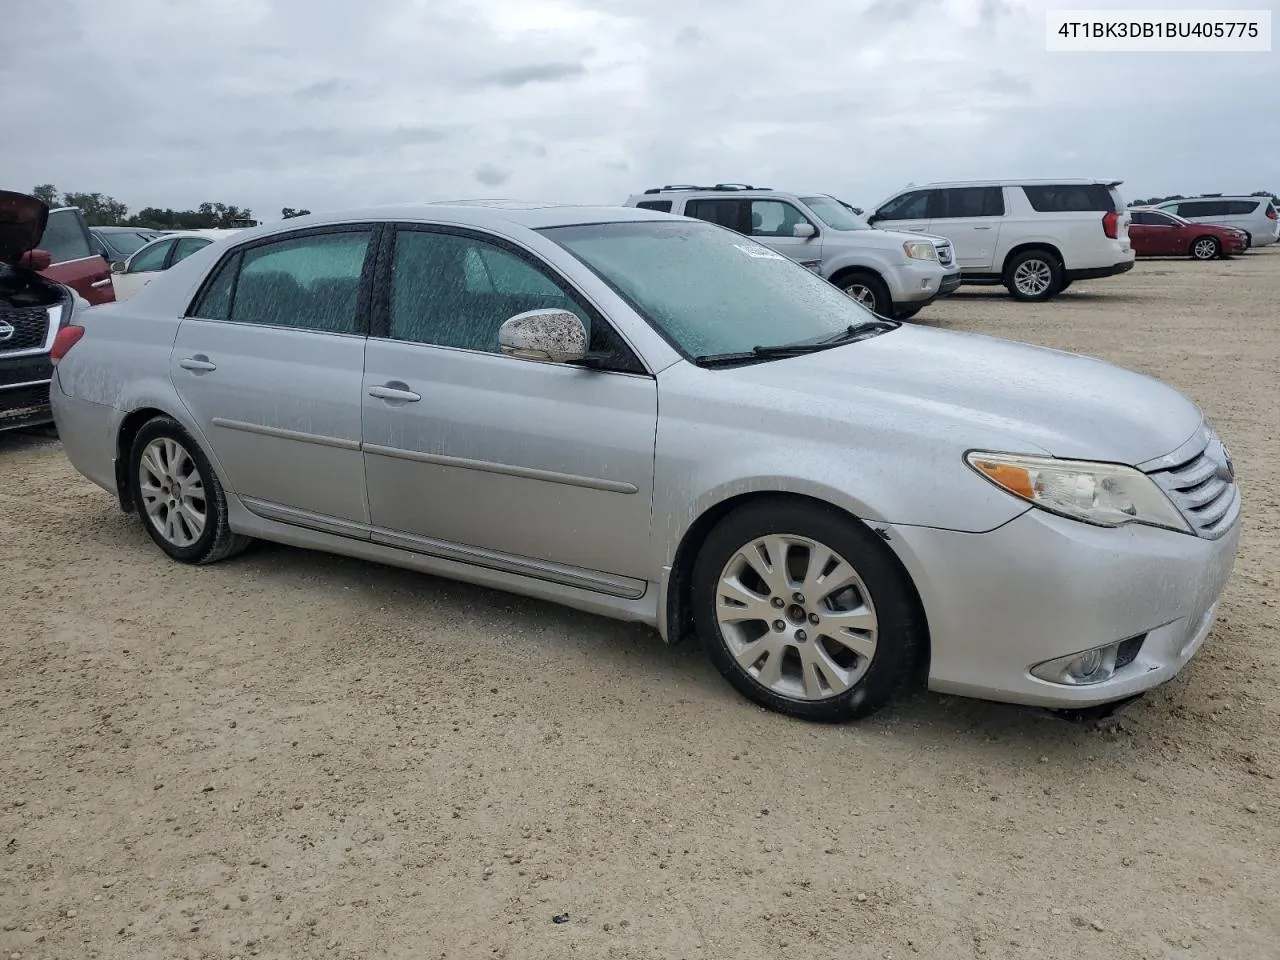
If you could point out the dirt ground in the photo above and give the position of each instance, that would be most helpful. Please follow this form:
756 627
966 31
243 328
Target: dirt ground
294 755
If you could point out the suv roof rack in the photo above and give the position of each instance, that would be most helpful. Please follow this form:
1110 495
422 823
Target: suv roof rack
717 187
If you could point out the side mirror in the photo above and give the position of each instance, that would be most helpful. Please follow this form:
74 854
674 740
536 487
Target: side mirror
804 230
37 260
871 219
119 266
552 335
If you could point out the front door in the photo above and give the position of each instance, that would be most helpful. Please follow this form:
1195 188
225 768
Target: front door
270 368
536 468
773 224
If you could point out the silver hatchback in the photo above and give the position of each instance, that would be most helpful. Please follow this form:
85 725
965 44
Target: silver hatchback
658 419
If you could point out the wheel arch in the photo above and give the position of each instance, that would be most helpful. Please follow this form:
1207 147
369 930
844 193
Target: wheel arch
1027 245
678 613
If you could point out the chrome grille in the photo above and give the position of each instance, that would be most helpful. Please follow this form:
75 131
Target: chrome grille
1204 490
23 328
944 253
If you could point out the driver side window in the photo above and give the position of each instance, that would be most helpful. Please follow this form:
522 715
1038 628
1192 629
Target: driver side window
150 259
910 206
449 290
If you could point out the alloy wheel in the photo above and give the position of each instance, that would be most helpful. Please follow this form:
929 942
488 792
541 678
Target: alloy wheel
1205 249
797 617
1032 277
173 494
863 294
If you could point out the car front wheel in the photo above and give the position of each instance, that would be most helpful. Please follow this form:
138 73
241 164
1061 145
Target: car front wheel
1205 248
805 611
178 495
869 290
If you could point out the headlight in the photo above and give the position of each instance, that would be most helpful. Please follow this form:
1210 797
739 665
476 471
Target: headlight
1104 494
920 250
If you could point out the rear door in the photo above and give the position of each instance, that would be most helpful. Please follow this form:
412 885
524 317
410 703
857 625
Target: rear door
269 364
75 262
970 218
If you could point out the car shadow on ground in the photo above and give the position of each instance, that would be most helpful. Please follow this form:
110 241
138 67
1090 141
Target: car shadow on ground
616 648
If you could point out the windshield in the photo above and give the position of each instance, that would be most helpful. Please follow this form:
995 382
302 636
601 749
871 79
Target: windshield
835 214
708 289
128 243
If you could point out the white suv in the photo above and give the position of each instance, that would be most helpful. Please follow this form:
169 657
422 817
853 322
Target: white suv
1034 236
892 274
1256 216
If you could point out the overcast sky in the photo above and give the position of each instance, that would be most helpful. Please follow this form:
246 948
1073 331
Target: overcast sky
334 103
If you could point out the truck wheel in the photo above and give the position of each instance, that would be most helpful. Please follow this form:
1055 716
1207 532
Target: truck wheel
1033 276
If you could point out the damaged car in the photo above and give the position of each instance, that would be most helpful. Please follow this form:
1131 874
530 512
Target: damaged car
33 310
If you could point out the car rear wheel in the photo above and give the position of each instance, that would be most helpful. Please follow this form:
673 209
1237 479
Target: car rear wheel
869 290
1033 276
1205 248
178 496
804 611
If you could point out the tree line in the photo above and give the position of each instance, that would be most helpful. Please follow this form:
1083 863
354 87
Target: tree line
1275 198
101 210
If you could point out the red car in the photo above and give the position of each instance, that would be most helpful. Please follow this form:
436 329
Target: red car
67 255
1154 233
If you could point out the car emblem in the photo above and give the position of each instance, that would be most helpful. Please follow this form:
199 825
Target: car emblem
7 330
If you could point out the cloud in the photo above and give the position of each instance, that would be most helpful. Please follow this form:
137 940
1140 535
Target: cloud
305 103
492 176
514 77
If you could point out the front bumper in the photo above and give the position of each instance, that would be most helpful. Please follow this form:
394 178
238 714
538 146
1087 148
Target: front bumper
24 391
1042 587
916 283
950 283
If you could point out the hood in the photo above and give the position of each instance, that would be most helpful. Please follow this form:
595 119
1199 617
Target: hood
22 222
1061 403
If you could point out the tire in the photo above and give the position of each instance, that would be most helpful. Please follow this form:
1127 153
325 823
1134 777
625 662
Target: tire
1033 276
163 460
869 290
1248 239
1205 248
1066 282
908 313
802 670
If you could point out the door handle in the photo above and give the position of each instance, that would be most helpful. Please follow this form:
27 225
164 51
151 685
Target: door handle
399 392
197 364
982 228
98 284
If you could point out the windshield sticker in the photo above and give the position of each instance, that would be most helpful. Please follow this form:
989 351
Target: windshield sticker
758 252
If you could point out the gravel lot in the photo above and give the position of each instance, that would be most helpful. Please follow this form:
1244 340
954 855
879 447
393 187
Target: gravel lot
294 755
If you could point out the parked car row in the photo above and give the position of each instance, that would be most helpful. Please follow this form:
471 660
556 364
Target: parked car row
1257 217
658 419
1036 237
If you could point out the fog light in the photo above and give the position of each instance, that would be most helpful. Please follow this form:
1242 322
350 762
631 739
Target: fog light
1079 669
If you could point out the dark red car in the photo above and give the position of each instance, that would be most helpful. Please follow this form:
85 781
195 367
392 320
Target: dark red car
1154 233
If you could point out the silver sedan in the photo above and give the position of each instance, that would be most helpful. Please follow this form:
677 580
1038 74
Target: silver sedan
656 419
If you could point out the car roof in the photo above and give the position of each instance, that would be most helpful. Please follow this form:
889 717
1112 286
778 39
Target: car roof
1018 182
1218 196
124 230
474 213
727 194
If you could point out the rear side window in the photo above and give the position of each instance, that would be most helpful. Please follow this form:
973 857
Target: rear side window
1203 208
1143 219
734 214
66 237
310 283
662 206
969 202
1240 208
1070 198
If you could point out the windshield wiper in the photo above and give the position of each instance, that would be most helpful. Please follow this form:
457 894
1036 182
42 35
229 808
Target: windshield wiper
851 334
